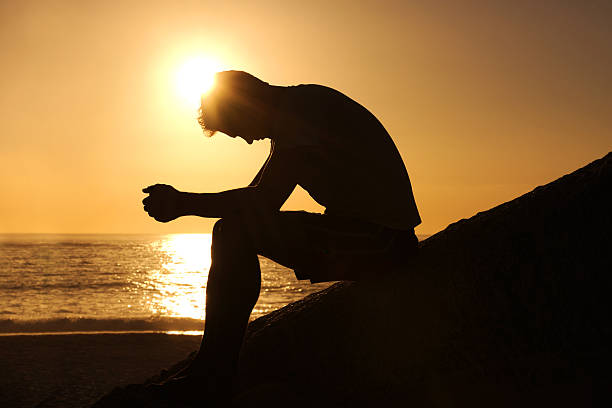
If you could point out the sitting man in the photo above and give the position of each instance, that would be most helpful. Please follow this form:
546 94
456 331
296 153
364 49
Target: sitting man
337 151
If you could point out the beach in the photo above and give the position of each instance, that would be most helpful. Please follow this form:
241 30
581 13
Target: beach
75 370
54 286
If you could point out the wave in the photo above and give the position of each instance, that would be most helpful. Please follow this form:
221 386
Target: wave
84 324
61 244
63 285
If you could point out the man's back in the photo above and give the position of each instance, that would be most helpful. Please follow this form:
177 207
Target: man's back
346 160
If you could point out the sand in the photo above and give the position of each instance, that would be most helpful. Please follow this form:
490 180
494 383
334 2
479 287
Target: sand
76 370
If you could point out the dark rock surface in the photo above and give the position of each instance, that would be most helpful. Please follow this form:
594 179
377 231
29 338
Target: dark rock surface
510 307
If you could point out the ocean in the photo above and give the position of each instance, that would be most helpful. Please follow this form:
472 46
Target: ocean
118 283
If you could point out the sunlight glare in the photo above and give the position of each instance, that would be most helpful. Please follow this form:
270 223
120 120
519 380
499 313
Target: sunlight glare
196 77
182 277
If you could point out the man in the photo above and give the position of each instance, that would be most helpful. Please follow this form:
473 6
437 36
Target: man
337 151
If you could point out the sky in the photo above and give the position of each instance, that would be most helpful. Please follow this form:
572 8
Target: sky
485 100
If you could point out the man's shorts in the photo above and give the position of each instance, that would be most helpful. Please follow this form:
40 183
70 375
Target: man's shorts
329 247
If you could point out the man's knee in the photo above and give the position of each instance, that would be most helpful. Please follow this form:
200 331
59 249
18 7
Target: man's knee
231 245
229 229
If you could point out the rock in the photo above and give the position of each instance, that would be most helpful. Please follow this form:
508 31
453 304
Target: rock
508 307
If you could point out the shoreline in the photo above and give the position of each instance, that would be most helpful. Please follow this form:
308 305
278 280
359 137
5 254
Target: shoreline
70 333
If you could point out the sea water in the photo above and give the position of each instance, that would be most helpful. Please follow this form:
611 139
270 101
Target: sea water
119 283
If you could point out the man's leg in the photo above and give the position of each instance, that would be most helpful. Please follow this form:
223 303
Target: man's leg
233 287
293 239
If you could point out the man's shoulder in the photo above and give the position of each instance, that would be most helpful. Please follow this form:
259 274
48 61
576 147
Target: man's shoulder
319 115
315 92
325 104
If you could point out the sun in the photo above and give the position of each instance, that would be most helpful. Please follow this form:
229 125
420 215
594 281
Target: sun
194 77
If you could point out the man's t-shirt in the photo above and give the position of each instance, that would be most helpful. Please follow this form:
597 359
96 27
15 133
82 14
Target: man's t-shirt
344 157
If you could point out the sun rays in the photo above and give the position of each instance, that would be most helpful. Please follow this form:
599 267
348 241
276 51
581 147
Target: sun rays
195 77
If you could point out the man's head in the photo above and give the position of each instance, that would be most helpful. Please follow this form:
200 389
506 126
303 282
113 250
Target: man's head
239 104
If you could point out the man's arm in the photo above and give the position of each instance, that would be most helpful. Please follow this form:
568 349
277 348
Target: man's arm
261 170
276 182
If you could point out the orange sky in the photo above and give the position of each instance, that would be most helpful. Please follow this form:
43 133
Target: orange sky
484 99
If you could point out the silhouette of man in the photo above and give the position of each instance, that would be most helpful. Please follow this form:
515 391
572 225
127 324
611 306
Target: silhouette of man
337 151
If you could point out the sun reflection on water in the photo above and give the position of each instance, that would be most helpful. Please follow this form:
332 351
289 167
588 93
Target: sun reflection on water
179 283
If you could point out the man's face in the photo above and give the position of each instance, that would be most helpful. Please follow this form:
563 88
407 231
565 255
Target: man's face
243 136
235 119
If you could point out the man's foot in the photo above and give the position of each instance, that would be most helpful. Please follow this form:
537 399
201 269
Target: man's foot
185 388
194 368
193 389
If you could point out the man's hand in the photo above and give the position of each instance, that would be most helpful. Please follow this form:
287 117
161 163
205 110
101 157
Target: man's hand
164 203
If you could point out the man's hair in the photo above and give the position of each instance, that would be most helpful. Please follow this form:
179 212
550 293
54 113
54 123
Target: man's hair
230 87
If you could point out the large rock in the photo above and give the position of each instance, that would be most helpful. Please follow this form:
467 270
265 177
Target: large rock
508 307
